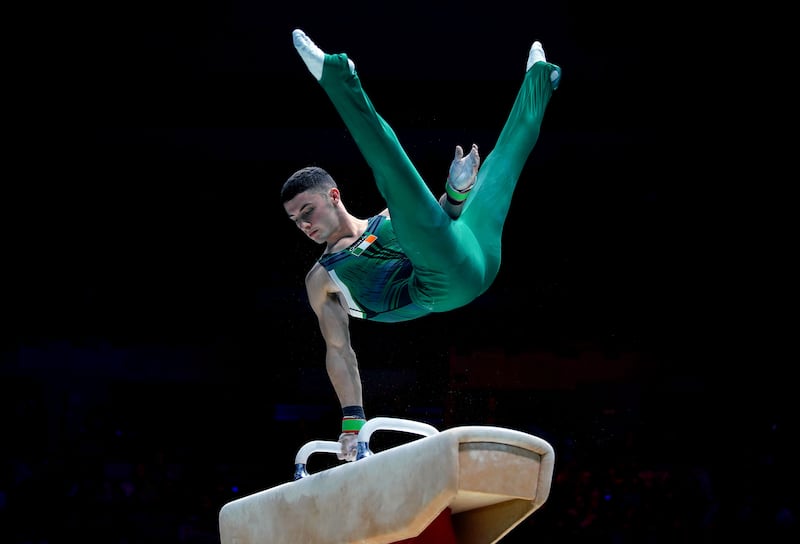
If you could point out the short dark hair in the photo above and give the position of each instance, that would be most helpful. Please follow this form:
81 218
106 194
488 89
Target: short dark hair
308 178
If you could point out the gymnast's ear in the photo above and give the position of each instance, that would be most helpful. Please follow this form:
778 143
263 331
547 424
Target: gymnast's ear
335 195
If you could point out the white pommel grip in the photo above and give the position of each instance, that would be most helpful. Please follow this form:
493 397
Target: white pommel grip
390 424
315 446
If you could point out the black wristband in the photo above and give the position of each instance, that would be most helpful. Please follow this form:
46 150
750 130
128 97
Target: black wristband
353 411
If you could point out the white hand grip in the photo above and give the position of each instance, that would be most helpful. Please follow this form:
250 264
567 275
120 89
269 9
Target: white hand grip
390 424
315 446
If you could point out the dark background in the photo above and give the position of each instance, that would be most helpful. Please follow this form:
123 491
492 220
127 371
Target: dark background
159 357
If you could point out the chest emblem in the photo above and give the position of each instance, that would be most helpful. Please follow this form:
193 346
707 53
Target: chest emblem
363 245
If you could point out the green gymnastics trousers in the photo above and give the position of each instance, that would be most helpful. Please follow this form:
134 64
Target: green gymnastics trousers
454 261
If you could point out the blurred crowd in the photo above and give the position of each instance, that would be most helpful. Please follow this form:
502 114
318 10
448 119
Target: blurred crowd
99 473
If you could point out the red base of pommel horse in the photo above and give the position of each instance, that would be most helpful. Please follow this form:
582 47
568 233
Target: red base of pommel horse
465 485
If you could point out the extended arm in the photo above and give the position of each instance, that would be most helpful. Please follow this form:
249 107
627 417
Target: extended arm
340 358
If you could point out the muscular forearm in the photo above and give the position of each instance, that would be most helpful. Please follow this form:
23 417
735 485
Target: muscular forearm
343 372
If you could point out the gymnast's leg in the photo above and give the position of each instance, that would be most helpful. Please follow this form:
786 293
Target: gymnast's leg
398 180
486 210
423 228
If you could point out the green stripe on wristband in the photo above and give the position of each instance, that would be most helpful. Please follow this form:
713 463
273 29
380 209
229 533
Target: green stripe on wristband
456 195
352 424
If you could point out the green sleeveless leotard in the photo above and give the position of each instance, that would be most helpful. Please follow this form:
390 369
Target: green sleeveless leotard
448 263
378 256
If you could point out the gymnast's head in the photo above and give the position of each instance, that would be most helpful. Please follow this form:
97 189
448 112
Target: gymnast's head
312 201
310 178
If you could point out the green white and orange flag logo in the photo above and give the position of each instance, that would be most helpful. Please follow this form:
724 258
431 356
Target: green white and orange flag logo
365 243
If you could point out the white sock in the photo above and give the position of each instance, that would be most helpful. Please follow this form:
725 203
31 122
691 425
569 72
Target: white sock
313 56
535 55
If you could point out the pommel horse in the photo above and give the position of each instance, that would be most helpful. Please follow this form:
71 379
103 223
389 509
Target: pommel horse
467 485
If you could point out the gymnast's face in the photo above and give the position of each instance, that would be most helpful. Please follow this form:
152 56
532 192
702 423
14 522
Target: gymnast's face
315 213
